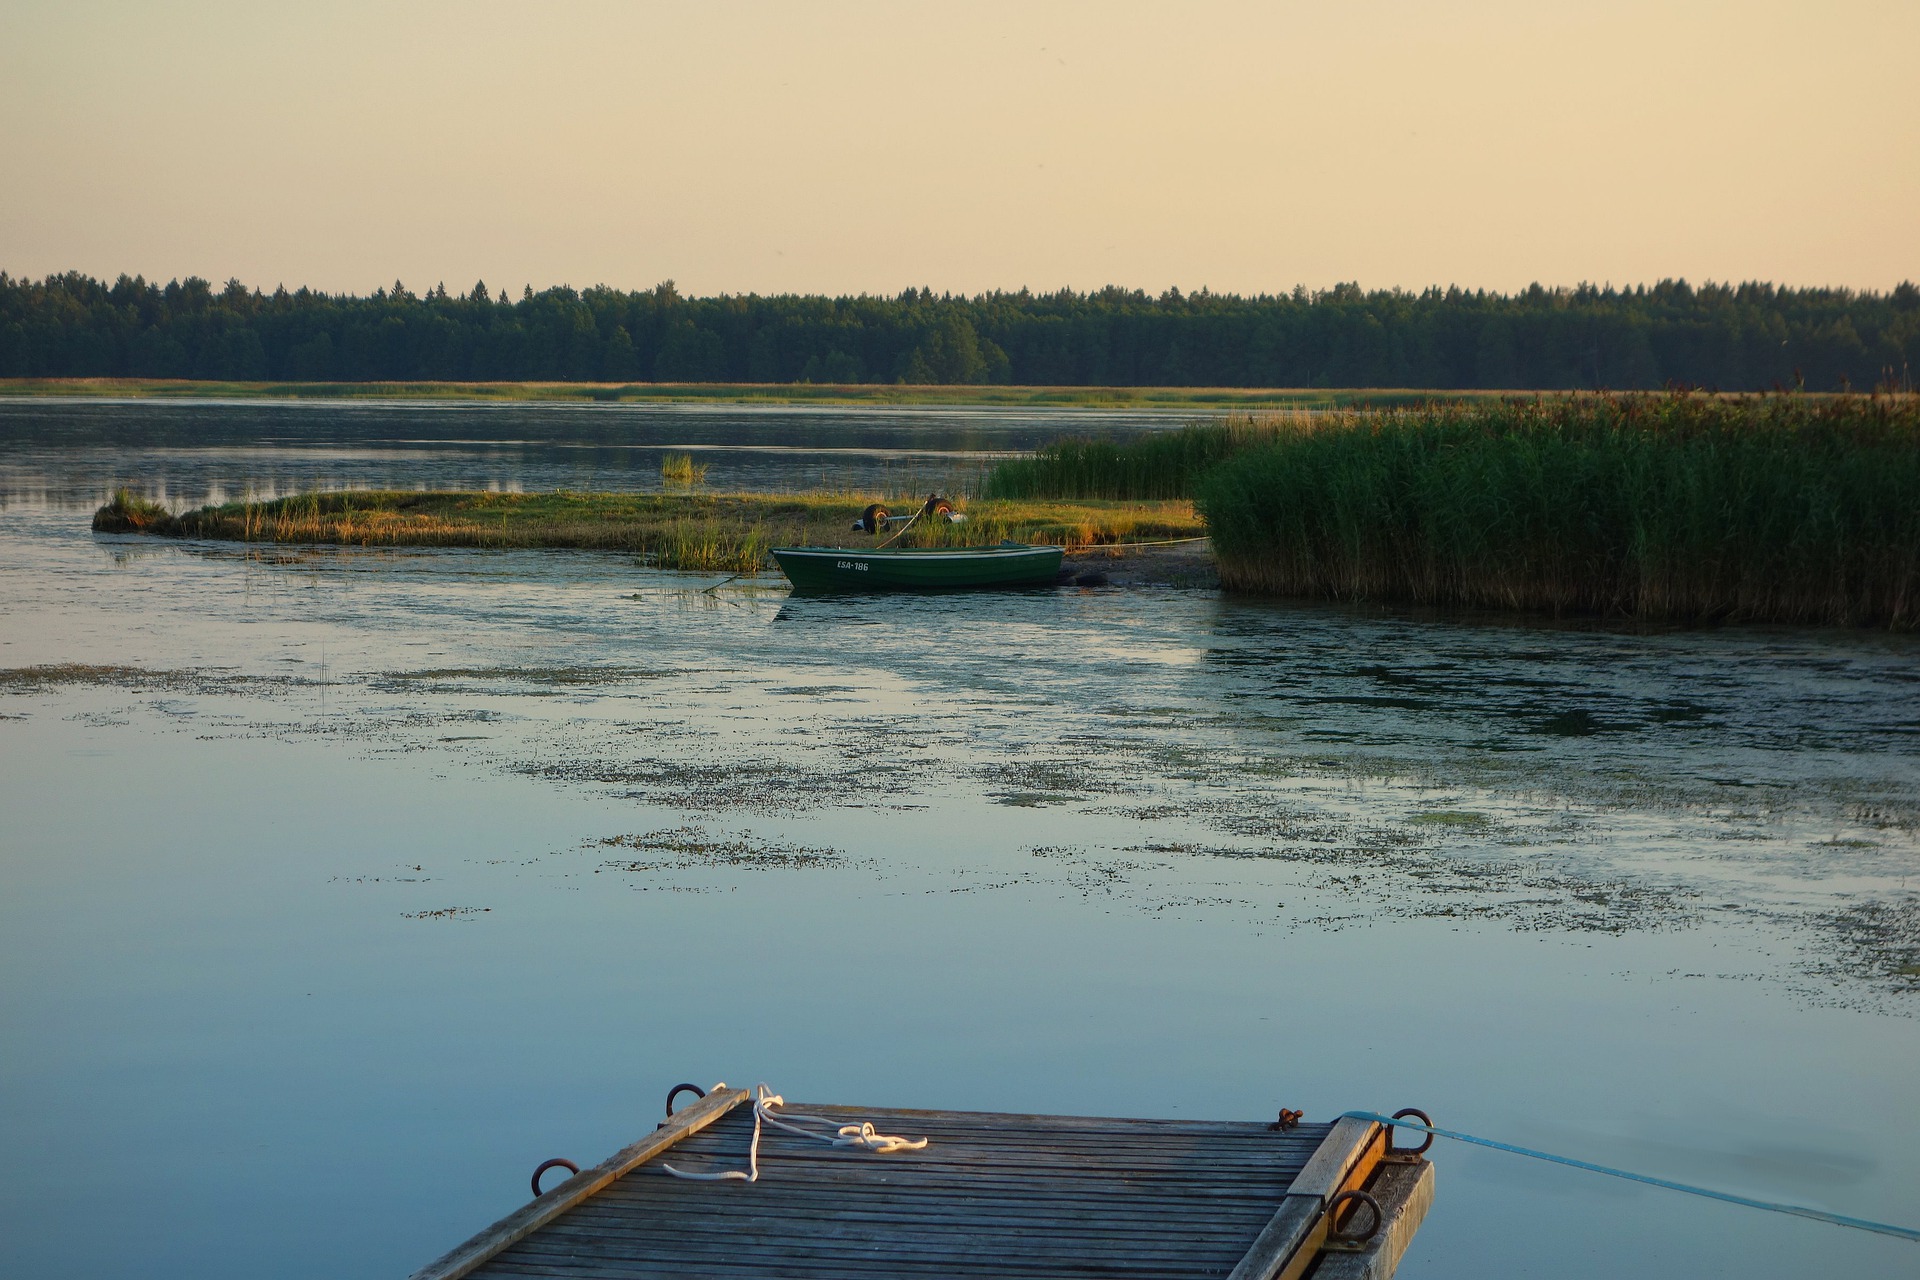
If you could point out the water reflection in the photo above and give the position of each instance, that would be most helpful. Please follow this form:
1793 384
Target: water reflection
346 885
76 452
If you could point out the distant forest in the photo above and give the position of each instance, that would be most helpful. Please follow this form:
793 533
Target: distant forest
1744 337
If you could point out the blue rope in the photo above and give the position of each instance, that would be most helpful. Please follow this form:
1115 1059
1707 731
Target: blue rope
1799 1211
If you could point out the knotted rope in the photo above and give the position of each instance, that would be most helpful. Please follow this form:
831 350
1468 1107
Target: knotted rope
862 1136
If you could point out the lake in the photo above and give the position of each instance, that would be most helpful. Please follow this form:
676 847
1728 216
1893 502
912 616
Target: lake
339 888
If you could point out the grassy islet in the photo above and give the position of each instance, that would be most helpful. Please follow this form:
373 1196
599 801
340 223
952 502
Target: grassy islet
706 532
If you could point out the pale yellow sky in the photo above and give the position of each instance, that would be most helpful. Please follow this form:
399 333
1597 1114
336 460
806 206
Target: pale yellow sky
849 147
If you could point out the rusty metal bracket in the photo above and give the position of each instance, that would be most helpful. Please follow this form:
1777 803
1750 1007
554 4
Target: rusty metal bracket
1346 1239
1407 1155
555 1163
698 1092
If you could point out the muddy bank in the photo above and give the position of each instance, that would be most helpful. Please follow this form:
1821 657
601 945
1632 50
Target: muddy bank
1181 564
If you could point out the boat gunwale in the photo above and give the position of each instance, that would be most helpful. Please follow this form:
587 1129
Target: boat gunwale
909 553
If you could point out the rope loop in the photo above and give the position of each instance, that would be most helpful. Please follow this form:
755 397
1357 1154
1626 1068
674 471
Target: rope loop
862 1136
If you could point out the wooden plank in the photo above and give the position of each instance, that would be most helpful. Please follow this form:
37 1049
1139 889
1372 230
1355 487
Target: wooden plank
1280 1239
1042 1123
1405 1193
1197 1221
901 1248
1288 1243
1043 1233
1081 1143
792 1166
1234 1150
463 1258
1076 1146
1148 1233
996 1194
1066 1217
1187 1163
877 1264
1328 1170
960 1189
872 1269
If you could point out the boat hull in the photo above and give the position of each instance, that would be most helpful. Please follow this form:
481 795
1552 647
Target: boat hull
821 569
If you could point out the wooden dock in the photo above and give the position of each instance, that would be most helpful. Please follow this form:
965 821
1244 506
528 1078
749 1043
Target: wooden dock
1033 1197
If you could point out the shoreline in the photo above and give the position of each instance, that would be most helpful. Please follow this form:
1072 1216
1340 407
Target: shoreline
837 395
694 530
1189 565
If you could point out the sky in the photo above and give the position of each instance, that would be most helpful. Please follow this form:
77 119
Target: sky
844 148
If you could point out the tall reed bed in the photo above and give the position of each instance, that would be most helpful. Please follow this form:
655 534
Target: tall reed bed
1680 507
1153 466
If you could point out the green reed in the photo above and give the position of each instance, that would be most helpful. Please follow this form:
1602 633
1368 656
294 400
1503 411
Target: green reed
703 547
128 512
1159 465
681 469
1678 507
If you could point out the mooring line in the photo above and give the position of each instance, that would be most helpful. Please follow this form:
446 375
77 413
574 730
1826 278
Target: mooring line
1799 1211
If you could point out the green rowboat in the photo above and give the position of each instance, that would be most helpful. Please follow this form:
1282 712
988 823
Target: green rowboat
1011 564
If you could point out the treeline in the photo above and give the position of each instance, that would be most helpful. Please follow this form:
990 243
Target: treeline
1745 337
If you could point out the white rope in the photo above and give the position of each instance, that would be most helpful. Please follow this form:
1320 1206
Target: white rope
862 1135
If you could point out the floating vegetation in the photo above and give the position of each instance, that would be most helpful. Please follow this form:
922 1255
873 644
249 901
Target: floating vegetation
70 674
686 848
1461 819
489 679
24 679
757 785
1049 780
1201 788
1376 869
1877 940
445 913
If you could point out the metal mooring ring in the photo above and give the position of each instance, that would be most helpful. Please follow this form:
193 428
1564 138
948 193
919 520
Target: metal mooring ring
1347 1235
555 1163
1402 1114
679 1089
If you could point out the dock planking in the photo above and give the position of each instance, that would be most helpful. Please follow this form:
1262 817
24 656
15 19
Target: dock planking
992 1195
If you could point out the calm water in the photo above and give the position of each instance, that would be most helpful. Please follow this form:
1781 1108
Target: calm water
338 889
189 453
